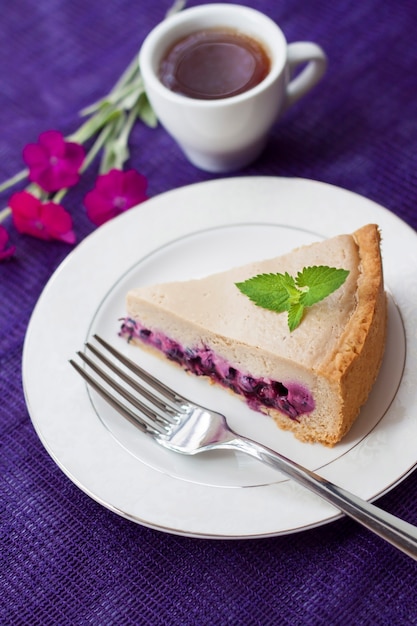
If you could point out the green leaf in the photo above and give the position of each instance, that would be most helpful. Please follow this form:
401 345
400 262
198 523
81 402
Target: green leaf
318 282
287 283
269 291
295 315
281 292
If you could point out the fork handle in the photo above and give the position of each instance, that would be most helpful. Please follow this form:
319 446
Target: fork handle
397 532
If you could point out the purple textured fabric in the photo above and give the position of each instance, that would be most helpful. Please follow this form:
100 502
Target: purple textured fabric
66 560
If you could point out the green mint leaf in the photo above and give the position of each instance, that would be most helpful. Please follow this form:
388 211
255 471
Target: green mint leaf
269 291
295 315
287 282
281 292
318 282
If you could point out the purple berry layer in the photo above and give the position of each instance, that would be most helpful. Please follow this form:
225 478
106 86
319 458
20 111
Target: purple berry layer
290 398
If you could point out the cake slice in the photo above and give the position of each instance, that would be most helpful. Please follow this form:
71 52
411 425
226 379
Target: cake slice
311 380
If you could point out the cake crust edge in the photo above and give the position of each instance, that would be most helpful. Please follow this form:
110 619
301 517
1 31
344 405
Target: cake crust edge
352 368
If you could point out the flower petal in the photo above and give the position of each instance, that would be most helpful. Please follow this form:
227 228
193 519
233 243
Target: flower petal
44 221
99 207
57 221
34 155
111 183
55 177
74 154
134 186
26 213
53 141
54 163
115 192
24 205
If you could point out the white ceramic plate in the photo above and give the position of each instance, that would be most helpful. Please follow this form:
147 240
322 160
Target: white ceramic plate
189 232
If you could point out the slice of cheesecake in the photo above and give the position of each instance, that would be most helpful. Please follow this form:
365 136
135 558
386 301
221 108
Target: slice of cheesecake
311 380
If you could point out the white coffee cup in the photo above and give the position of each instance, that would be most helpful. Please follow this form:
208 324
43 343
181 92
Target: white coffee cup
225 134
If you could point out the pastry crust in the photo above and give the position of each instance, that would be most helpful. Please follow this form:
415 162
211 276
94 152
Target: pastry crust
353 365
356 364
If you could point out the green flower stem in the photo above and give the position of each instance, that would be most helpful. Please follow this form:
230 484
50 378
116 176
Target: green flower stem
128 97
110 157
108 101
128 74
122 97
4 213
120 146
59 195
177 6
13 180
98 144
36 191
113 99
129 123
93 125
124 84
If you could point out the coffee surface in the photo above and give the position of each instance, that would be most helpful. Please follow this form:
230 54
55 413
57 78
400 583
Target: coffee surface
214 63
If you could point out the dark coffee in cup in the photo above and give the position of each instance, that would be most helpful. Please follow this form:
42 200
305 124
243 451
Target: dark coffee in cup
195 61
214 63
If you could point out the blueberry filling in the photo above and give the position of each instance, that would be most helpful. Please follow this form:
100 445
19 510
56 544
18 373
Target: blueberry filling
291 398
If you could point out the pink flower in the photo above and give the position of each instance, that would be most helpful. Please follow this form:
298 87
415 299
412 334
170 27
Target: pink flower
114 192
43 220
53 162
5 252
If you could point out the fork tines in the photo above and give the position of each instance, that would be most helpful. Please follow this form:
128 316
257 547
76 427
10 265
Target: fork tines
156 414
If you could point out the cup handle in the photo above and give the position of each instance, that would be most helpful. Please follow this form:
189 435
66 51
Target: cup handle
308 53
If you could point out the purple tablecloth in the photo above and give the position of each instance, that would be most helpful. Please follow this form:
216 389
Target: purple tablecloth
64 558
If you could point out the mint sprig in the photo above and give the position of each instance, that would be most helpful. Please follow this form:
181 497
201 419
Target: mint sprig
282 292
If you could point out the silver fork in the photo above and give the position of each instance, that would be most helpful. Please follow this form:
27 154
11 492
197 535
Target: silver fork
180 425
